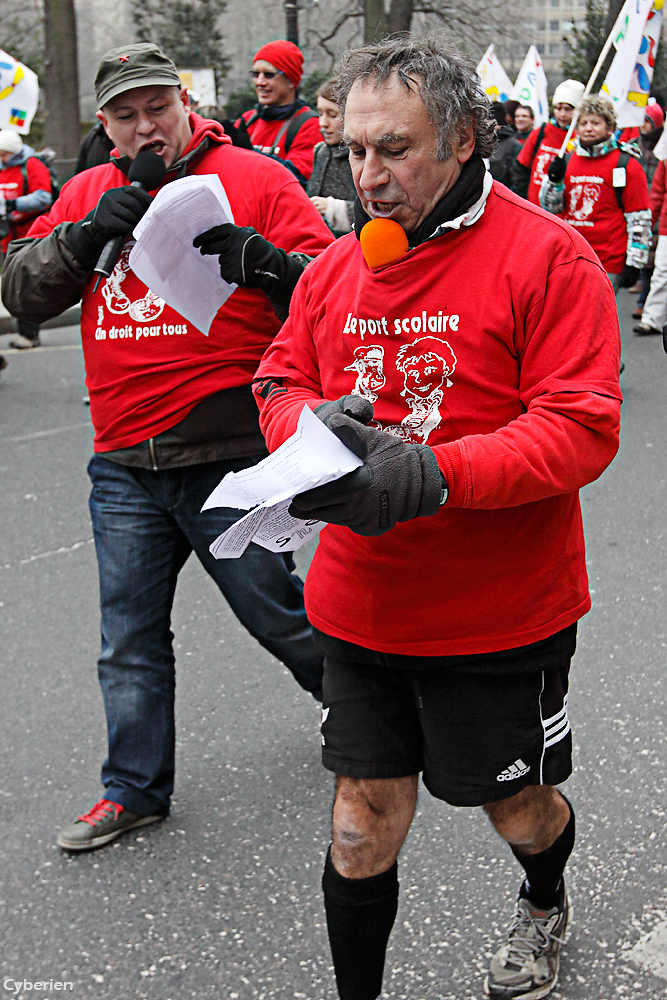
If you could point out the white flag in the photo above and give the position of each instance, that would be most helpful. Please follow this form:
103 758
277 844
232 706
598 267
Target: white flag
628 36
631 111
19 94
531 86
495 80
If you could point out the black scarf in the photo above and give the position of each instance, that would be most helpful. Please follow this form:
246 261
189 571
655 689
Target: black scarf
271 114
460 197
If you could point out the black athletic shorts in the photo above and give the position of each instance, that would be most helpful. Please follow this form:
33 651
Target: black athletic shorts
478 737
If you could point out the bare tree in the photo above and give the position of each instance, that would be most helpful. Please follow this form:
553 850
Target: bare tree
62 126
472 22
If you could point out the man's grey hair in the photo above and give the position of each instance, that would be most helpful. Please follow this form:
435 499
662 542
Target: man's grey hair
446 80
598 104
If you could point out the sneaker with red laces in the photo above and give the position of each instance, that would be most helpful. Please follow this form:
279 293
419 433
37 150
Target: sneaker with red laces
100 825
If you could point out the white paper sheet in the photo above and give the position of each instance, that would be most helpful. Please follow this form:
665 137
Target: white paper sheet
164 258
311 457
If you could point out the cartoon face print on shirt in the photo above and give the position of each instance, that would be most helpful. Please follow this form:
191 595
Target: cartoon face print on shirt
141 310
368 363
582 200
426 365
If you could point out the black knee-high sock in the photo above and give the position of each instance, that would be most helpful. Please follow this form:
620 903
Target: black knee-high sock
360 916
544 871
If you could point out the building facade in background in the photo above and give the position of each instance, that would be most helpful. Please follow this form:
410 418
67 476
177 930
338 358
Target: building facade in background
249 24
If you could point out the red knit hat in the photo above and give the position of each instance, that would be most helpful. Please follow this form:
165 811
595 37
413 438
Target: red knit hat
655 113
285 56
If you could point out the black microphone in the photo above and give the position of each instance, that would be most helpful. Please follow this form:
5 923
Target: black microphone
146 171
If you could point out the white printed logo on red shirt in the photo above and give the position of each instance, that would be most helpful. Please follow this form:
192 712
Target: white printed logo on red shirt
582 200
426 365
368 362
148 307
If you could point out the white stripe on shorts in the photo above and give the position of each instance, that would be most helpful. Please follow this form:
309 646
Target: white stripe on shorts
557 727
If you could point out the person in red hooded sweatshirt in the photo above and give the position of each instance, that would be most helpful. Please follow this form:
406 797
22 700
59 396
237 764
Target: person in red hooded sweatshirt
172 411
25 193
281 124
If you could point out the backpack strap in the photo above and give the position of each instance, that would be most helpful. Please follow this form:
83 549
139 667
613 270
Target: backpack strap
295 124
621 164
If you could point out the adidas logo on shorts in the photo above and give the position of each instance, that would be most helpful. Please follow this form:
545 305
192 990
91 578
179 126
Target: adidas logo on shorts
515 770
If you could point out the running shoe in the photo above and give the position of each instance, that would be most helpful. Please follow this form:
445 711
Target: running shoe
526 967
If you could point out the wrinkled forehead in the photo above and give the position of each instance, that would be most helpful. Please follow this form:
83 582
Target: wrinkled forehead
383 108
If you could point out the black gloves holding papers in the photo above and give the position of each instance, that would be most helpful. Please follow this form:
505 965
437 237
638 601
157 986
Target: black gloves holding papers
398 480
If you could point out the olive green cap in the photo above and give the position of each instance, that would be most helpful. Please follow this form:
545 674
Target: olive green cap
142 64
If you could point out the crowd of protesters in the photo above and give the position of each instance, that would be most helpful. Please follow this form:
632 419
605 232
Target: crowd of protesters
524 429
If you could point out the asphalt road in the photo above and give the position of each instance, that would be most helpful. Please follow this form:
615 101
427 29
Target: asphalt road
222 899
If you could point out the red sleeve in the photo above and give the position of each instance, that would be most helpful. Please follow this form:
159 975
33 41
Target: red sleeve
569 385
527 154
635 196
39 178
658 191
291 359
287 217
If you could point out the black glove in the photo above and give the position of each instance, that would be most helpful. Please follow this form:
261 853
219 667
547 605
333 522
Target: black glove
116 214
629 275
556 170
10 204
247 259
237 133
352 406
398 481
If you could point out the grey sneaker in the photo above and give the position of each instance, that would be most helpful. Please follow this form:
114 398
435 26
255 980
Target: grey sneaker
21 343
526 967
101 824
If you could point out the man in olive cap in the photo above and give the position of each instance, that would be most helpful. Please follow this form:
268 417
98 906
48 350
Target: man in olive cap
172 412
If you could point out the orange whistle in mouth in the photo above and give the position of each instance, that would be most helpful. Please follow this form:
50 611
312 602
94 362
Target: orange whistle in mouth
383 241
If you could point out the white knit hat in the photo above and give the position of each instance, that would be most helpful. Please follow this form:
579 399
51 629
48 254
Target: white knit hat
10 142
567 92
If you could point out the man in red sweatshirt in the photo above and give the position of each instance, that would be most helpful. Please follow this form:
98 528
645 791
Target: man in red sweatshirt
172 410
446 587
281 124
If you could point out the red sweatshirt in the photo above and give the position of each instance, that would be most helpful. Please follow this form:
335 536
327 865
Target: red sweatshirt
300 153
539 160
497 345
146 367
13 186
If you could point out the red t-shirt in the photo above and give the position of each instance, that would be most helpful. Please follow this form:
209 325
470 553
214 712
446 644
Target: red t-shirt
591 205
496 345
146 367
539 160
300 153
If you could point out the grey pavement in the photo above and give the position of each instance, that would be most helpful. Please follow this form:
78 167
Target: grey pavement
222 899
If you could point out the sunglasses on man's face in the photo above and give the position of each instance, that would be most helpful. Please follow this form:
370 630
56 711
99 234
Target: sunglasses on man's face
256 73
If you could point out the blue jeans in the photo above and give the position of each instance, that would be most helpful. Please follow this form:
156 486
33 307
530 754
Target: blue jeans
145 525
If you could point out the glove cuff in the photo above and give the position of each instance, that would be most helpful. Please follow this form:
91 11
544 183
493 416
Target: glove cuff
432 483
